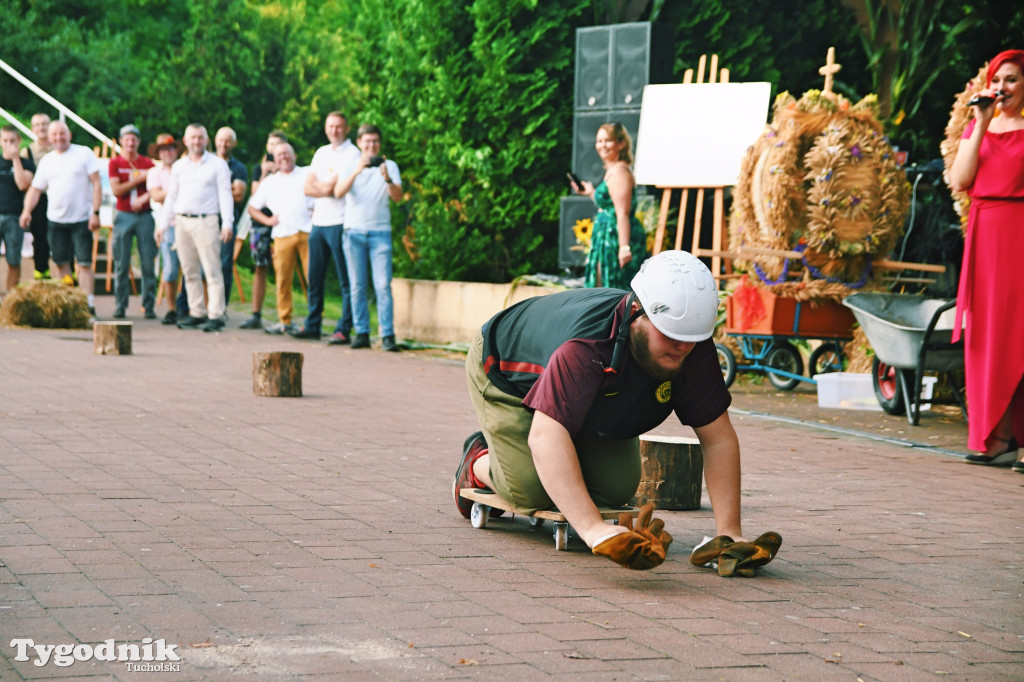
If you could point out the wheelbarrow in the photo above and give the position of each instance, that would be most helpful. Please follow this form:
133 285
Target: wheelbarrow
911 335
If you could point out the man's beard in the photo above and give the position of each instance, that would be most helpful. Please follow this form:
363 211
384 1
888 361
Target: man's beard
642 353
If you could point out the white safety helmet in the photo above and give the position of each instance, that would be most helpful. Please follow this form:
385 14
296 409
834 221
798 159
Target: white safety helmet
679 295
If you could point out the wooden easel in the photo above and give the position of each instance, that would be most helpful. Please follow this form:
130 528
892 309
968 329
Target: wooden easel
720 248
719 238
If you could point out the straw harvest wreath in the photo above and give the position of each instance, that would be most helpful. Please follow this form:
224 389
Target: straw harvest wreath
959 118
821 180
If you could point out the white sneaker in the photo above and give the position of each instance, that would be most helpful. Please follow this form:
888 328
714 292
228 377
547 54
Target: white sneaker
276 328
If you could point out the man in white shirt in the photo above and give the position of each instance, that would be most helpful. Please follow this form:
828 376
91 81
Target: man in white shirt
368 191
291 220
199 191
70 176
329 163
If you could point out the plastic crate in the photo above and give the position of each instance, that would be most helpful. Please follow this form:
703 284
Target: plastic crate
847 391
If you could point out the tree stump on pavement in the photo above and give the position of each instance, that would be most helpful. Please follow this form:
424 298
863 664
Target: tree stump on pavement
671 472
278 375
112 338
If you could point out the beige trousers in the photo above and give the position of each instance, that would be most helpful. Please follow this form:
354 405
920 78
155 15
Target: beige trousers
197 241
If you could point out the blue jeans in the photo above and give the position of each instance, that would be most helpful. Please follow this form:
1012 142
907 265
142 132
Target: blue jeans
371 247
170 257
227 262
324 244
141 227
13 238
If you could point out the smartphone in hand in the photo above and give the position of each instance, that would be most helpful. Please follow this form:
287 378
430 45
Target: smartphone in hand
575 181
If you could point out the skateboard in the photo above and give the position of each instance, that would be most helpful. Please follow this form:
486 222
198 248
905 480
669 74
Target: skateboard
486 500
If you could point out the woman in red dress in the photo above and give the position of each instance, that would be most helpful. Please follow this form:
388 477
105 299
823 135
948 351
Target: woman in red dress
989 166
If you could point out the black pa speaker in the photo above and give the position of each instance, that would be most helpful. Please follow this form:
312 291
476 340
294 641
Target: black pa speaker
585 161
614 63
593 67
573 210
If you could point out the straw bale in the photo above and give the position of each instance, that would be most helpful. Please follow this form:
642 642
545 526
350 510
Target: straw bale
47 304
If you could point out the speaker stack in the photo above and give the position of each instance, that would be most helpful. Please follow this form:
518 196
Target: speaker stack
613 64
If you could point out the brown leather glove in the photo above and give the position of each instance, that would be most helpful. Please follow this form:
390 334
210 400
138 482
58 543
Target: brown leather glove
710 550
643 547
741 558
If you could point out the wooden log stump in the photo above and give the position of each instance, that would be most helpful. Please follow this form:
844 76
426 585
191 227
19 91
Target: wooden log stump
671 471
112 338
278 374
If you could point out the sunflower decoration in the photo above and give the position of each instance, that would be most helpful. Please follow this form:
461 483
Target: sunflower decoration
822 180
583 228
959 118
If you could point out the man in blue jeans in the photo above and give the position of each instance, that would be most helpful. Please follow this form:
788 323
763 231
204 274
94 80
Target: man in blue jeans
133 219
329 163
368 191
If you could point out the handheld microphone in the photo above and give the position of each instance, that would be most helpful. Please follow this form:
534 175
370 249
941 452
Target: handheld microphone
984 101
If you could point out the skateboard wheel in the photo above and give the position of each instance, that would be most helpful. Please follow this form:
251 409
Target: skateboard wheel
536 521
561 535
478 515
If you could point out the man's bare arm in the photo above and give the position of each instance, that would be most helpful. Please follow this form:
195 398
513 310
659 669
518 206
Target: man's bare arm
721 449
31 200
319 188
558 465
122 188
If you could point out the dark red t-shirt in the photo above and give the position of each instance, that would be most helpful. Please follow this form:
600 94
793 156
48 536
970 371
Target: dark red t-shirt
554 349
123 169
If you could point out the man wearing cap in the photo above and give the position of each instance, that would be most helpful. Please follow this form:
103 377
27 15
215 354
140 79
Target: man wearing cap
70 177
132 219
200 206
564 384
166 150
36 151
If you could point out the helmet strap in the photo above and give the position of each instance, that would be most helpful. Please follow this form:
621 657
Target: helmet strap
622 337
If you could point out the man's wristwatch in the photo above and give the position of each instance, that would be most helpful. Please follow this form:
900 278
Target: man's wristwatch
96 212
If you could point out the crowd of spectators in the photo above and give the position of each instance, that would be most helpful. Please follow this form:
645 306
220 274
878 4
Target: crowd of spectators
191 210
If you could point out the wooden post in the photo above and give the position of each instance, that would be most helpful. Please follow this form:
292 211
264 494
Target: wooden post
672 468
278 375
112 338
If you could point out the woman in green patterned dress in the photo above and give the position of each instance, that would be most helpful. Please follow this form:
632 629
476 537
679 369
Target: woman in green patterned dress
618 244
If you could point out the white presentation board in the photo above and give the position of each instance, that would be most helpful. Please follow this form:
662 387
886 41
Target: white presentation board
696 135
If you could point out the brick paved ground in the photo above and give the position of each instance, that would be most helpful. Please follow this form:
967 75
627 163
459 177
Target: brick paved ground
314 538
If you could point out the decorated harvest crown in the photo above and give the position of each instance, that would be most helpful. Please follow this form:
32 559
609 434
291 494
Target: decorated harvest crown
822 186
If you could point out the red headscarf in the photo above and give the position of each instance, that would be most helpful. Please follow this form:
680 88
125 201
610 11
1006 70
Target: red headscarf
1012 56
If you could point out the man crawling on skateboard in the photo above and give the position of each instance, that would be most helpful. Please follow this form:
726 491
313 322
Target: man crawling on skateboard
564 385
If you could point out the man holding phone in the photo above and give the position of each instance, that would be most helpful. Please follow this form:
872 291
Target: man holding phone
368 191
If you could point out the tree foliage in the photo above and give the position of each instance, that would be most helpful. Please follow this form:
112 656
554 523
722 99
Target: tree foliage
474 96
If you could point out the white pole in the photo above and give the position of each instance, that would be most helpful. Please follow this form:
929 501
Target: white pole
60 107
17 124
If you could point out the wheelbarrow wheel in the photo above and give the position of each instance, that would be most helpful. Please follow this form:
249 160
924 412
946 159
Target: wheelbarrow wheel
828 357
786 357
727 361
888 381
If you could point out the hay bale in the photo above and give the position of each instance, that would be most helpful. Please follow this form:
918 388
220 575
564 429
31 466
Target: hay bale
860 353
46 304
